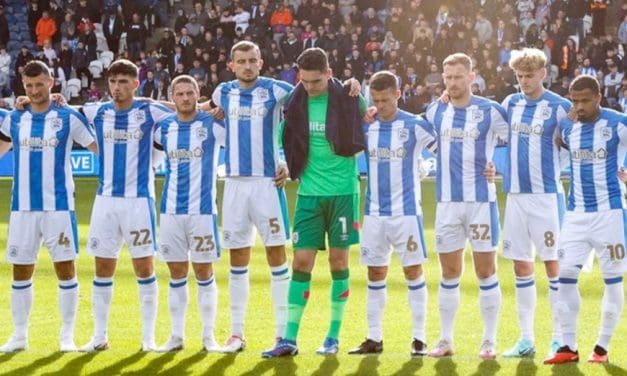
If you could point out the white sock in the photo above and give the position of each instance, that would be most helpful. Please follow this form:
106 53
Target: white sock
100 305
375 304
21 303
569 302
148 301
207 305
417 298
239 289
490 303
526 297
448 304
68 306
611 307
279 286
553 298
178 295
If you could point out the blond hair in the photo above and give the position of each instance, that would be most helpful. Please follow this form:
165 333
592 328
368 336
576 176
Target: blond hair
458 58
527 60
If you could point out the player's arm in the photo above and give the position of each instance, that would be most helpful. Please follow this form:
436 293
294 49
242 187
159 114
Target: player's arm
81 132
158 155
5 144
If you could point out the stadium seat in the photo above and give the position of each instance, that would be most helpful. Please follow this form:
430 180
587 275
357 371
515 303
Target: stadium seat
73 87
106 57
96 67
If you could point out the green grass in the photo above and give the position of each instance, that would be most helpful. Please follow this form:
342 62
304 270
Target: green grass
124 328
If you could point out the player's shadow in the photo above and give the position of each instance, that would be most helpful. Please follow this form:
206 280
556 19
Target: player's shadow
526 367
566 369
368 366
221 364
118 367
329 365
5 357
74 366
411 367
281 366
35 366
155 365
614 370
446 366
487 368
183 365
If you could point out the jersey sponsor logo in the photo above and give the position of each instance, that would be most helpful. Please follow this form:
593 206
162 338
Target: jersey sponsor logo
122 136
458 134
527 129
185 154
247 112
387 153
316 127
586 155
39 143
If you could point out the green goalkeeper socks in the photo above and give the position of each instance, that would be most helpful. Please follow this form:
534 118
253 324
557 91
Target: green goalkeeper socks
296 301
339 296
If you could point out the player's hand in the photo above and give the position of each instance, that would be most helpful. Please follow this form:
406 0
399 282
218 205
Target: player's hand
281 176
572 114
490 172
560 142
622 174
355 87
205 106
21 102
58 99
371 112
444 98
217 113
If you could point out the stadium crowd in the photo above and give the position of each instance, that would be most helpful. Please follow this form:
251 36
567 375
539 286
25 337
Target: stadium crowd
408 37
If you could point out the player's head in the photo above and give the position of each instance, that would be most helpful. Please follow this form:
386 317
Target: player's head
385 93
313 65
529 65
457 75
185 94
245 61
122 78
37 82
585 94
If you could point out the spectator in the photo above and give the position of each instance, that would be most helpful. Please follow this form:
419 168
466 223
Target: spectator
58 74
48 52
17 84
5 61
67 25
483 28
80 63
181 20
587 68
93 93
197 70
88 37
193 27
22 58
622 33
4 28
569 57
112 28
288 73
598 8
136 35
45 29
612 83
148 87
281 18
291 47
241 17
65 58
34 15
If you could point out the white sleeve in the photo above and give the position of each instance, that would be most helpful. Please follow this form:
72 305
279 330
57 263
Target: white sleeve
499 124
621 130
90 110
425 137
159 112
80 130
157 135
216 97
219 132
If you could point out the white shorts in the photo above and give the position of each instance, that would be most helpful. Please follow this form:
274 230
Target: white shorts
604 231
456 222
188 237
118 219
28 229
532 224
249 203
404 233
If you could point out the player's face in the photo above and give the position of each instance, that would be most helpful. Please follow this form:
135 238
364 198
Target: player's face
586 104
122 87
315 82
386 102
246 65
457 80
530 81
185 97
38 88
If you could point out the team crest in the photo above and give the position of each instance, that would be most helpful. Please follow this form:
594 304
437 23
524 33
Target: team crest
403 134
546 113
201 134
263 94
13 251
165 249
295 237
476 115
94 243
560 253
606 133
55 124
226 235
507 245
364 251
140 116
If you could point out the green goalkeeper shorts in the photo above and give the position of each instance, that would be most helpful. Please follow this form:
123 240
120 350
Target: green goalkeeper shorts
317 216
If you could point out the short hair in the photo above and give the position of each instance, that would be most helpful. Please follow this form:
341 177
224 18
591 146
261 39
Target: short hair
36 67
527 60
383 80
123 67
584 82
245 46
185 79
313 59
458 58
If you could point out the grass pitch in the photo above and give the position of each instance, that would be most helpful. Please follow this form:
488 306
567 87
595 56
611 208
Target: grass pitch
124 357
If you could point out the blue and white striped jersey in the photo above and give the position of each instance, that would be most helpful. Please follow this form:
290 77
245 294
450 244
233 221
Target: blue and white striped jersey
125 146
191 150
597 150
252 117
466 141
394 150
533 158
42 145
